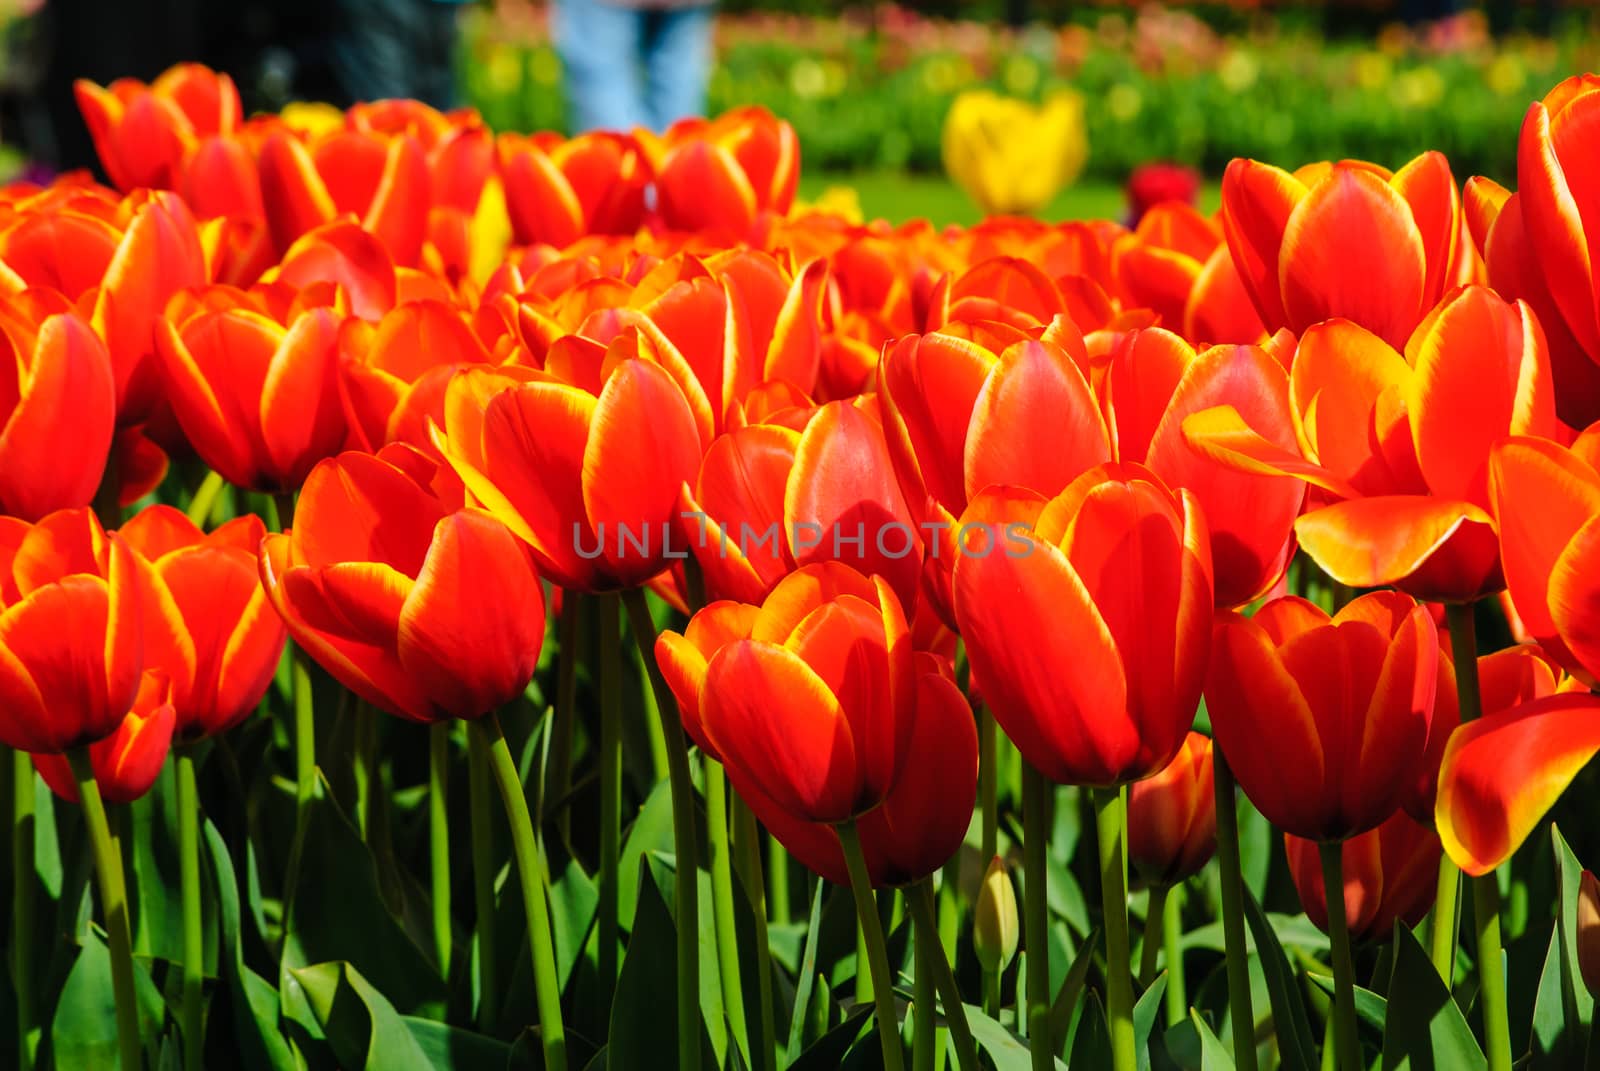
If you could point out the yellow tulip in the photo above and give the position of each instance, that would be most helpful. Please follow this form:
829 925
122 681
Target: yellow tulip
1012 157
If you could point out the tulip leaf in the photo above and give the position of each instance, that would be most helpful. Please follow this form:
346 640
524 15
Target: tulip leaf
362 1027
574 900
450 1048
807 979
827 1053
1371 1009
1424 1027
1563 1009
644 1018
1213 1055
1145 1013
154 901
1297 1049
1005 1049
1091 1039
1065 1005
651 831
83 1032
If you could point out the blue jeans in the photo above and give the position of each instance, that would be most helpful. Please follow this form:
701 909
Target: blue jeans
626 67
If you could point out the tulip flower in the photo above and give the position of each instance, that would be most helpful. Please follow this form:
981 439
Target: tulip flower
1409 489
1160 183
70 633
1589 931
1172 817
1348 240
589 480
1390 874
1325 721
720 175
57 409
142 134
423 608
209 626
1012 157
1043 584
256 395
559 190
126 763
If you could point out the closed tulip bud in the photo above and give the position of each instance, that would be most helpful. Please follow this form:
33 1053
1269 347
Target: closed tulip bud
721 175
143 134
1390 874
127 762
994 918
1172 817
1589 931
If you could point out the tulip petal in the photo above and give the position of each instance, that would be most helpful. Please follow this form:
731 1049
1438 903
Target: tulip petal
1257 201
1437 549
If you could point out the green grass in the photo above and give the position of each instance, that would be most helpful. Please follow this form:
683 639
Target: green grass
900 196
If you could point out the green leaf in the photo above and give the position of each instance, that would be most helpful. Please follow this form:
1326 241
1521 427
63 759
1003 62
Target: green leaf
1296 1048
1213 1056
1066 897
807 978
574 899
1563 1009
1145 1013
827 1052
83 1033
1256 845
644 1013
1424 1028
1091 1042
155 902
650 832
1008 1052
1066 1002
450 1048
1371 1009
361 1026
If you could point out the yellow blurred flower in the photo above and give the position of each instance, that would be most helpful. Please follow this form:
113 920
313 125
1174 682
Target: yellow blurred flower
841 202
1011 156
311 118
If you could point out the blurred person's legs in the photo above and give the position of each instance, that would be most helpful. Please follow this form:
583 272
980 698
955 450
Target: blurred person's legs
371 51
677 62
599 44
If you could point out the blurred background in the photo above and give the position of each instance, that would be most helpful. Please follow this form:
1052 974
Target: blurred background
869 87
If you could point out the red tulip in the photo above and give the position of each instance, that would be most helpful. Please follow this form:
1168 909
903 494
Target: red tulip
559 190
70 636
424 609
143 133
1390 874
1172 817
1041 585
719 175
1176 264
126 763
208 624
1325 721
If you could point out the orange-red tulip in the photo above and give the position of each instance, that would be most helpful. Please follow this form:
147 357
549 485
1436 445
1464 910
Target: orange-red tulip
590 481
1347 240
57 409
720 175
1325 721
1176 264
71 643
559 190
127 762
1390 874
1090 641
257 396
144 133
208 625
1172 817
425 609
1400 444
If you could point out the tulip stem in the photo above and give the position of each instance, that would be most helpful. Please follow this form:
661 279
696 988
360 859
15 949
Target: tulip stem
1036 920
559 779
439 839
1240 1006
1347 1047
923 1035
778 880
987 783
1111 826
1491 973
1462 623
716 782
22 901
1155 914
924 916
113 905
530 874
877 953
610 787
686 882
1442 938
749 848
205 499
483 874
192 1023
1176 994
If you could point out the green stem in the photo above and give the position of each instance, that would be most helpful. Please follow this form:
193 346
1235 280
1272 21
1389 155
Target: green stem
987 783
22 901
923 1034
778 880
483 874
877 953
991 994
1036 921
205 499
924 917
863 978
686 883
363 763
749 847
1442 938
192 1019
113 905
1155 914
530 874
1111 825
1346 1045
1491 973
1240 1007
439 839
610 788
559 779
1176 994
716 783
